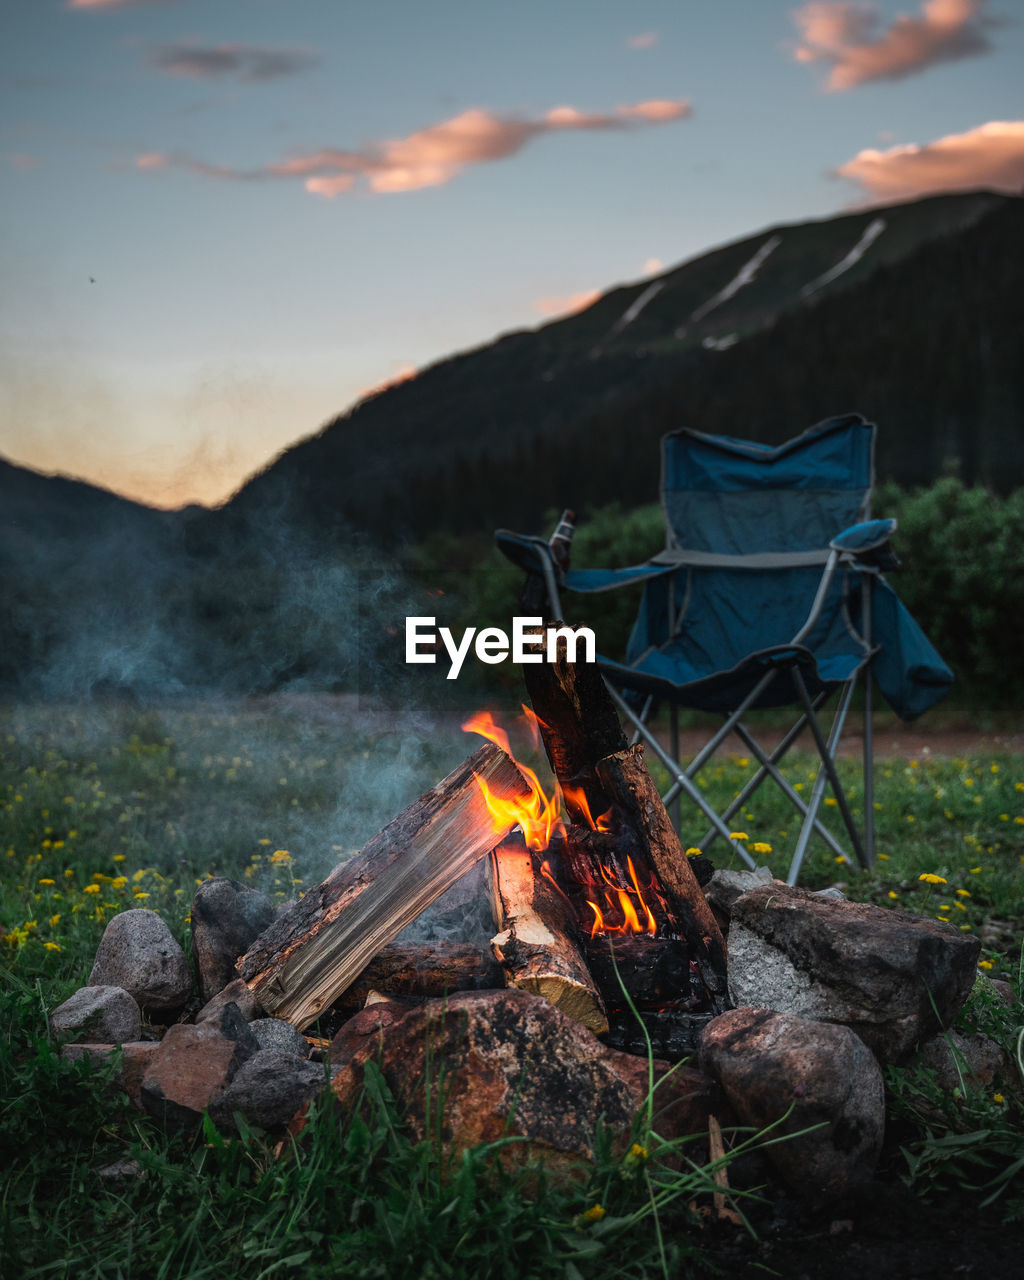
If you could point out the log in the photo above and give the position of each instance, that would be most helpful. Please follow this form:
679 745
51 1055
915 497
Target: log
579 726
306 958
425 969
628 784
539 944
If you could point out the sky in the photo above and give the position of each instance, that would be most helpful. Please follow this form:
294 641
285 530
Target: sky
224 221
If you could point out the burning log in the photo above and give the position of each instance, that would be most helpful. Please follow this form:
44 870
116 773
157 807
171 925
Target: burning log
299 965
539 943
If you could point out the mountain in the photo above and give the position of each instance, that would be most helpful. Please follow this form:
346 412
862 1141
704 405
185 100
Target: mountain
910 314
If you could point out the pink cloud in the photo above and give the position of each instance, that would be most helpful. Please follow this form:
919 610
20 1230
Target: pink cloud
435 155
151 160
566 306
846 35
646 40
990 156
113 4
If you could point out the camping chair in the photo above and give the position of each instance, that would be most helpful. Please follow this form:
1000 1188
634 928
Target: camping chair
769 593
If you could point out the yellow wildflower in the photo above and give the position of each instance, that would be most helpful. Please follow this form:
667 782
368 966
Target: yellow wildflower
595 1213
997 1097
759 846
279 856
738 835
929 877
985 964
47 882
119 882
91 888
693 852
893 893
963 893
118 857
52 946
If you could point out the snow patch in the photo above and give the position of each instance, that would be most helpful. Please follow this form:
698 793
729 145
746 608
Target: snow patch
744 276
871 233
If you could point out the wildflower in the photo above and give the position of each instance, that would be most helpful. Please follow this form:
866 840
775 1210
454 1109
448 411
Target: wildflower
998 1097
118 857
929 877
693 852
141 895
68 872
893 894
963 893
882 857
53 946
842 858
47 882
975 871
738 835
985 964
594 1214
279 856
759 846
119 882
55 920
91 888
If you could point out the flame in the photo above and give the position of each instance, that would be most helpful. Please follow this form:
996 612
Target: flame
537 813
578 797
615 895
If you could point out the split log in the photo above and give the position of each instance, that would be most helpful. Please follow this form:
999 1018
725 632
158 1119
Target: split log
538 946
306 958
425 969
628 784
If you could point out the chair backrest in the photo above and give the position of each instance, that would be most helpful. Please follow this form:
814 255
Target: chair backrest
735 497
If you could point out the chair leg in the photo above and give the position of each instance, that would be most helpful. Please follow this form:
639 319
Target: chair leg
675 812
826 773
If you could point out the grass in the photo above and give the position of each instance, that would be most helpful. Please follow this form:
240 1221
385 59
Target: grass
104 808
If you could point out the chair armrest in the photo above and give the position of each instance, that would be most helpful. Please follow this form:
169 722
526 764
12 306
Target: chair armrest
530 553
868 544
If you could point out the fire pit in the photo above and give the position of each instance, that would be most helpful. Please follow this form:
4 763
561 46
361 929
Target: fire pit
602 915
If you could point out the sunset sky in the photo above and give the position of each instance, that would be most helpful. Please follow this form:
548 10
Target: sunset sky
225 220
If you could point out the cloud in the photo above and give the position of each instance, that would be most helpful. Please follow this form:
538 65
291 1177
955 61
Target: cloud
247 62
990 156
845 34
646 40
566 306
652 266
434 156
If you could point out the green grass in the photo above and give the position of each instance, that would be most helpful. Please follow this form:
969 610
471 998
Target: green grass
110 807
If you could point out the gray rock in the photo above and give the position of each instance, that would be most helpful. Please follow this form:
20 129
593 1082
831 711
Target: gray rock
965 1061
139 953
227 917
893 977
767 1063
102 1014
275 1033
725 887
269 1089
236 993
121 1171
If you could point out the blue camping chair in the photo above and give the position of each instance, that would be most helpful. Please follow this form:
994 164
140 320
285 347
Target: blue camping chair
769 593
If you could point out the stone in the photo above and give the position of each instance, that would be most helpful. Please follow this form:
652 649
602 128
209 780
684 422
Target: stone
275 1033
895 978
236 993
192 1066
139 953
227 917
767 1063
134 1055
966 1061
725 887
268 1090
512 1066
97 1014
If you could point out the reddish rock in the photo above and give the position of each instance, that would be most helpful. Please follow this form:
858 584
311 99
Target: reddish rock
769 1062
509 1064
193 1065
136 1056
895 978
363 1032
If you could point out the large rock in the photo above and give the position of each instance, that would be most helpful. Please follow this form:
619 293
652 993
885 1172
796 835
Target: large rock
767 1063
97 1014
227 917
139 953
509 1064
269 1089
893 977
193 1066
236 993
275 1033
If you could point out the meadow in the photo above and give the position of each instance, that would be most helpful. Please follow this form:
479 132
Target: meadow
111 806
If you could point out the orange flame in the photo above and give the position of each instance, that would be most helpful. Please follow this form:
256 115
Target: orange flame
538 814
616 894
578 797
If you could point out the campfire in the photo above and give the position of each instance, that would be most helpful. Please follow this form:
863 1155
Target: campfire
596 906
